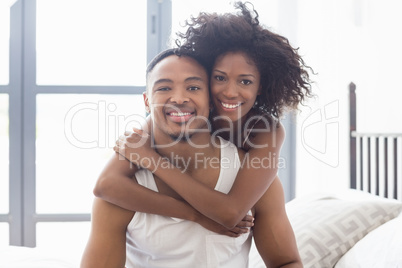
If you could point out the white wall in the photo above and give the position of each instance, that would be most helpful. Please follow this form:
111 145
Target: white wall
345 41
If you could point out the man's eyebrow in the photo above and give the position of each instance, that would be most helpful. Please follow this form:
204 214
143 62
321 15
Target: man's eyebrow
193 78
166 80
163 80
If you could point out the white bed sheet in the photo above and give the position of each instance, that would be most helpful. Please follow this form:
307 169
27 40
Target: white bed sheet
381 248
24 257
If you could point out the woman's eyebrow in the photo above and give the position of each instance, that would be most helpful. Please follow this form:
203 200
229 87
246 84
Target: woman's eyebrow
222 72
247 75
219 71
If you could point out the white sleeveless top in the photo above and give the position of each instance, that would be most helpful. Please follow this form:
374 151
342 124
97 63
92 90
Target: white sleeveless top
158 241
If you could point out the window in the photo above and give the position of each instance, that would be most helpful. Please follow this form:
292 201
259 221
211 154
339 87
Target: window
4 231
4 120
91 42
75 134
81 86
4 41
4 152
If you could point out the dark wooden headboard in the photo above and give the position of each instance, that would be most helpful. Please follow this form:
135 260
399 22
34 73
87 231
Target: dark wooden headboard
375 158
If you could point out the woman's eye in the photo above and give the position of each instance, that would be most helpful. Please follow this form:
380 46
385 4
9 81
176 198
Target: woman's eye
246 82
219 78
193 88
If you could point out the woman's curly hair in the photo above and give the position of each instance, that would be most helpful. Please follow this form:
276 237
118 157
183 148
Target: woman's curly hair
285 80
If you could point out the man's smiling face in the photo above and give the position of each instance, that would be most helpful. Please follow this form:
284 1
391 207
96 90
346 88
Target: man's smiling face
177 96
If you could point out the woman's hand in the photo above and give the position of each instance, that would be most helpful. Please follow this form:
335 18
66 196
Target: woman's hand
244 225
136 147
241 228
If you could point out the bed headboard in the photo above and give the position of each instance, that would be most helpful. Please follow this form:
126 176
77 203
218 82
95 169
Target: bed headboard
375 158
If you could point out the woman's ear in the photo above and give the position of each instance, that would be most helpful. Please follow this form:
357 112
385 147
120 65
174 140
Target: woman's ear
146 102
259 90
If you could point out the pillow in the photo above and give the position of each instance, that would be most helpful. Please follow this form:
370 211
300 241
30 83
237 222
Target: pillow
326 227
380 248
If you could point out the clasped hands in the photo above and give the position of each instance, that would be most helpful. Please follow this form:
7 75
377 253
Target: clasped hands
136 147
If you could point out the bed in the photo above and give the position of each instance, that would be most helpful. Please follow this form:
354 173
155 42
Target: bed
26 257
362 226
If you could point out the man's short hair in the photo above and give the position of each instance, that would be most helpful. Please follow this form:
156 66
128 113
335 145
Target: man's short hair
169 52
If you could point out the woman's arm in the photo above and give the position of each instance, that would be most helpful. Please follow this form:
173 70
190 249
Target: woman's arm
258 170
115 185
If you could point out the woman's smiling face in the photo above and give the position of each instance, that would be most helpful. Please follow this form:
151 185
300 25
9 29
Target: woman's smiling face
235 84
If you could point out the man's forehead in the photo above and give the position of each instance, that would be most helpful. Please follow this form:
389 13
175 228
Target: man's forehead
172 63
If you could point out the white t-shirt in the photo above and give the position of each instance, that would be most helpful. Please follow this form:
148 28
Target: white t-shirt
158 241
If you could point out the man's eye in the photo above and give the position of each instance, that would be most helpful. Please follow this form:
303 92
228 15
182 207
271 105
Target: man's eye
163 89
193 88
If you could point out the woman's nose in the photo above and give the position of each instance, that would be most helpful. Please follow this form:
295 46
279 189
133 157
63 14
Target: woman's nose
230 91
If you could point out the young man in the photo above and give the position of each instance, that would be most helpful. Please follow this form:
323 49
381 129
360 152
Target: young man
178 101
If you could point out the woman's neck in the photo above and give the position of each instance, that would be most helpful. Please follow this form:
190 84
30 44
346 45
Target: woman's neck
234 131
228 130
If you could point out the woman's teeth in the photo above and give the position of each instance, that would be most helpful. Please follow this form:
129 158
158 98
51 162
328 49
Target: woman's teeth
230 106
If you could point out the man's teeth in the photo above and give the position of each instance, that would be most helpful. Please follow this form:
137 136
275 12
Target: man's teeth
179 114
230 106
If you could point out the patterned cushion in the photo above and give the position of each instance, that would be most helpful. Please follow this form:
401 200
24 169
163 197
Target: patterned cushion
326 228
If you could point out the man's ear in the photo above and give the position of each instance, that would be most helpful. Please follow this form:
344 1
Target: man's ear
146 101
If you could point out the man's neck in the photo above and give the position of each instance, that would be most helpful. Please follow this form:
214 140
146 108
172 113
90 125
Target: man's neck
186 154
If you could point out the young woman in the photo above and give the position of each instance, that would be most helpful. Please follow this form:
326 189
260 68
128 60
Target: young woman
254 76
